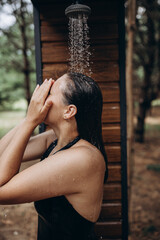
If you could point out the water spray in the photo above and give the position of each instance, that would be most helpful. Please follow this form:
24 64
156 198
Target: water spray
79 38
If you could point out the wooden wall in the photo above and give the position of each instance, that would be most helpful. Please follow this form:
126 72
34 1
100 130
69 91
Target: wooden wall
104 34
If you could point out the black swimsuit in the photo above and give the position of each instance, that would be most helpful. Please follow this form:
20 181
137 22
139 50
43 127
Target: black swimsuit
57 219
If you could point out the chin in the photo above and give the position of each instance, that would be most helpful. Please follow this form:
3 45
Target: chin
48 121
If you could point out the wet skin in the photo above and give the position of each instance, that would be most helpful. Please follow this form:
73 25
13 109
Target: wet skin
77 172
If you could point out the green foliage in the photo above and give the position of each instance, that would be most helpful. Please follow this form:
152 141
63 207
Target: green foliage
12 47
149 229
11 88
9 119
156 103
152 128
154 167
147 47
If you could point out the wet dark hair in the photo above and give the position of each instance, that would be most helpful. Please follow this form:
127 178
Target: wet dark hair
85 94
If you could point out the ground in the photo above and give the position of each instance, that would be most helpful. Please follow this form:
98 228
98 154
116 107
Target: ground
19 222
145 187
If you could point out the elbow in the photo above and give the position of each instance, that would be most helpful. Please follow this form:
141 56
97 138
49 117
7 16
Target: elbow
5 194
2 201
3 181
5 197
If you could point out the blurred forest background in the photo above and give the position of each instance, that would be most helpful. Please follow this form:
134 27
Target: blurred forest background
18 79
143 117
17 60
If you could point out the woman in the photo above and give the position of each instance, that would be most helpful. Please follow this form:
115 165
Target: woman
67 184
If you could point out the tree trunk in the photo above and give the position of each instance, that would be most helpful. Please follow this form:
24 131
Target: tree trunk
140 123
129 89
25 57
27 87
145 96
129 95
144 106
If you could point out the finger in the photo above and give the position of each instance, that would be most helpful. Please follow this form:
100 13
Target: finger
46 107
51 79
36 88
46 80
39 86
45 89
46 83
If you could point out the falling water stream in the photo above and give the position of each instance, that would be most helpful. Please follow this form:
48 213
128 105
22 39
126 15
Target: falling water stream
79 45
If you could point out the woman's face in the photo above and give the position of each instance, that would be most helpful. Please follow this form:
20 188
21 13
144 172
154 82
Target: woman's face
55 114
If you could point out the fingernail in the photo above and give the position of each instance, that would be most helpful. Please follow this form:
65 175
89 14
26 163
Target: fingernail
45 80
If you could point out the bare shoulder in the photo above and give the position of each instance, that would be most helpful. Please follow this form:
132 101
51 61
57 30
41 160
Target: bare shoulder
87 156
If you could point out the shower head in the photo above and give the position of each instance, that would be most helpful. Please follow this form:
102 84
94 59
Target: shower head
75 9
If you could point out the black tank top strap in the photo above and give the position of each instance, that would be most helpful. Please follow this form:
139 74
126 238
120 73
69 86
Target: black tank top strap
53 144
49 149
70 144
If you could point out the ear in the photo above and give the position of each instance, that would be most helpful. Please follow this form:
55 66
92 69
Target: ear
70 111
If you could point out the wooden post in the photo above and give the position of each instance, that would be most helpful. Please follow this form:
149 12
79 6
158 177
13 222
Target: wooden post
129 78
129 96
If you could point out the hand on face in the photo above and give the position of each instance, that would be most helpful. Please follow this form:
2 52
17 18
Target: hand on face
40 104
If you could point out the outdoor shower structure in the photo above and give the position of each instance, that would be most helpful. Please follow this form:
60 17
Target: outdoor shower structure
107 39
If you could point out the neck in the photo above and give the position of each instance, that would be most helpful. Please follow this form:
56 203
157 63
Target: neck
65 133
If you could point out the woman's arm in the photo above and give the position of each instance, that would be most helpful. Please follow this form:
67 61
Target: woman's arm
5 140
11 158
59 174
37 145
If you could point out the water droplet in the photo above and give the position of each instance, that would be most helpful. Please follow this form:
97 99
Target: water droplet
79 46
15 233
